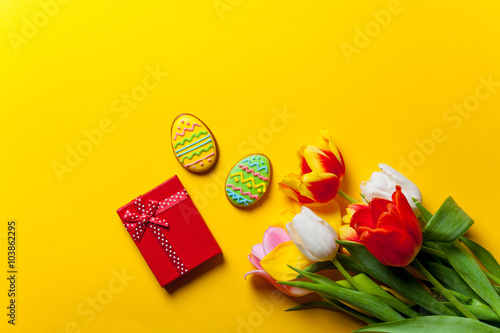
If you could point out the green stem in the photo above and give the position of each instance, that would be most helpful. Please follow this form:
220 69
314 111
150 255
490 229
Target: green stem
347 197
348 277
460 307
492 277
435 252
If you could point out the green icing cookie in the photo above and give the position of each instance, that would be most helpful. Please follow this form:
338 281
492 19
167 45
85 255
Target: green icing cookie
248 181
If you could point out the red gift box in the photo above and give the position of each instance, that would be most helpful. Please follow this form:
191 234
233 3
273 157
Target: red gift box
169 231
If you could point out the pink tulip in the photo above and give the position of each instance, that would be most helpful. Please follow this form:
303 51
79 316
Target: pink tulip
273 237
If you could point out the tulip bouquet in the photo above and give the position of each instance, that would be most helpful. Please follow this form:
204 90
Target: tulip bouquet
403 268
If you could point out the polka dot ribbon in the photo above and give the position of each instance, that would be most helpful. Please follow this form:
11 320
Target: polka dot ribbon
146 217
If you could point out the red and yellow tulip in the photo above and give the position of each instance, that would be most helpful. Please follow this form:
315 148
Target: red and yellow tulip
321 171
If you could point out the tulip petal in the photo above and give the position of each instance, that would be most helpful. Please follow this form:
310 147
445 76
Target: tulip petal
390 221
382 184
304 166
351 210
322 170
258 251
254 261
330 212
289 184
319 187
363 217
327 144
275 262
298 241
259 272
409 220
283 218
273 237
316 236
390 231
390 247
378 207
319 160
405 183
406 212
348 233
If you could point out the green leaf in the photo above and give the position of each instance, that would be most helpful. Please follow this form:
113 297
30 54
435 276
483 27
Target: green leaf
315 277
449 278
373 288
425 213
470 271
395 277
448 224
434 324
319 266
484 256
368 285
442 290
462 298
348 263
335 305
363 301
480 310
317 304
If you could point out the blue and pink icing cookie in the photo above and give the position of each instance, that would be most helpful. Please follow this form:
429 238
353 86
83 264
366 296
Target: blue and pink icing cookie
248 181
193 143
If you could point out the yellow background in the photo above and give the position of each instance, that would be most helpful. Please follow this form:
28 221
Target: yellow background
236 64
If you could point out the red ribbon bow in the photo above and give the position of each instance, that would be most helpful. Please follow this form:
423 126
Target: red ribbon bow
147 214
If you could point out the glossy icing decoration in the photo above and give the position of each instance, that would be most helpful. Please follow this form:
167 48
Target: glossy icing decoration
248 180
193 143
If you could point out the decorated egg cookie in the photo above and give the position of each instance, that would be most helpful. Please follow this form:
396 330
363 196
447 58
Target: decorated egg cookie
193 143
248 180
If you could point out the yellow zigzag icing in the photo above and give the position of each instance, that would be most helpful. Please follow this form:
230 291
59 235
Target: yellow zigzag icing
243 180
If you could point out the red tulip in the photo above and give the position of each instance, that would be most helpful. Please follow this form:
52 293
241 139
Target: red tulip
389 229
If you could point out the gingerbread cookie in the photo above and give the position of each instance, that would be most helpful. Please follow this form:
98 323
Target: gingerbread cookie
248 181
193 143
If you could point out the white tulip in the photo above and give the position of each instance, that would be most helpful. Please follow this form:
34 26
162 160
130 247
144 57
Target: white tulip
315 238
383 184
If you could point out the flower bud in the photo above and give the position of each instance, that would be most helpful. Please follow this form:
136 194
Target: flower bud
381 185
321 172
315 238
